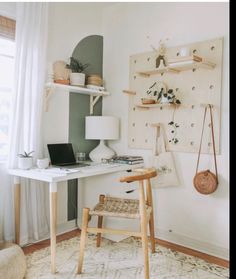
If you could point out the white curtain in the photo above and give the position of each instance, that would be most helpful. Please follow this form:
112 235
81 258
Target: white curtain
25 129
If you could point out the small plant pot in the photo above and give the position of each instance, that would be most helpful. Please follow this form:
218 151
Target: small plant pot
165 100
146 101
77 79
25 163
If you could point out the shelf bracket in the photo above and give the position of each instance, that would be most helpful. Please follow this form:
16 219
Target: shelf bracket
93 101
47 95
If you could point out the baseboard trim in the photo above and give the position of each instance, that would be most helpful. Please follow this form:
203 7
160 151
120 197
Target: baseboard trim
61 229
175 242
191 243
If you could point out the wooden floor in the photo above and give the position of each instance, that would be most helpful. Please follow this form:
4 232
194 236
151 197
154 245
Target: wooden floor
211 259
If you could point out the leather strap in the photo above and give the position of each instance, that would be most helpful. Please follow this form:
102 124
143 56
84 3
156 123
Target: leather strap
159 143
213 142
213 139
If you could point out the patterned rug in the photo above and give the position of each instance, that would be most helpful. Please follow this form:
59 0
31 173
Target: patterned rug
122 260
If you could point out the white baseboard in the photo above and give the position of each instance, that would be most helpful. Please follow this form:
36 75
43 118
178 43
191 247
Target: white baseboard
192 243
61 228
162 234
66 227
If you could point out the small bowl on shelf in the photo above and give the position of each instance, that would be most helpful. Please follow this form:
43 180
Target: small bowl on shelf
146 101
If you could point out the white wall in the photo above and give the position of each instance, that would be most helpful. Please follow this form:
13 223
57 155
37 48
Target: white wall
195 220
68 24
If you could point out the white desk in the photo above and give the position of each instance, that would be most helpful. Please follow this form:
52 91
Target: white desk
53 178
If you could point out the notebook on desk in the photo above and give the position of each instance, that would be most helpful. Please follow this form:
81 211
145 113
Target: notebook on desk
62 155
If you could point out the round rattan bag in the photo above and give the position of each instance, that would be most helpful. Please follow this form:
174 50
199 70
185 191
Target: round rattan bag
205 182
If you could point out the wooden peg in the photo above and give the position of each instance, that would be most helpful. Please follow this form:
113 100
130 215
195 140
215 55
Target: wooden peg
130 92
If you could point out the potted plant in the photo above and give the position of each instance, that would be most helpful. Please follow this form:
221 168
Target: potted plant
156 89
168 97
25 160
77 77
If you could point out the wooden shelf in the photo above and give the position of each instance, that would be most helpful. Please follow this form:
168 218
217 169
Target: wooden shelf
150 106
130 92
77 89
50 87
189 65
151 72
180 64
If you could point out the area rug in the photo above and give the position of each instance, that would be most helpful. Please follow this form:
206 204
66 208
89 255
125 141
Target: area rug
122 260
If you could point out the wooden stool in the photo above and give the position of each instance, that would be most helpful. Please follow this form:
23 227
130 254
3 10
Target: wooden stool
126 208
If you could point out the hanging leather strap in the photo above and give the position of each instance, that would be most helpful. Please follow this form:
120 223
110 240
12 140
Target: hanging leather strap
213 140
159 143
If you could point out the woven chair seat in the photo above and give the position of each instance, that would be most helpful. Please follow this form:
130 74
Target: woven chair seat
117 207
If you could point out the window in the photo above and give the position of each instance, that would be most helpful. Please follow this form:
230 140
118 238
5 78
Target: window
7 50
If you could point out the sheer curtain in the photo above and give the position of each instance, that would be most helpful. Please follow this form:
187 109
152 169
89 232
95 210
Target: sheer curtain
25 128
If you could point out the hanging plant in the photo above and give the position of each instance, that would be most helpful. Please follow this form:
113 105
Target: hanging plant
169 97
174 127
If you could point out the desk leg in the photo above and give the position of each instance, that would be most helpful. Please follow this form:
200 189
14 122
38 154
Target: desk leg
17 208
53 224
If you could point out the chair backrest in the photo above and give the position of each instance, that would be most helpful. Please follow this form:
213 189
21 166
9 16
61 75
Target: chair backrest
141 174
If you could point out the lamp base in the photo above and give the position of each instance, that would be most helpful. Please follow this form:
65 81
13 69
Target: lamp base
101 152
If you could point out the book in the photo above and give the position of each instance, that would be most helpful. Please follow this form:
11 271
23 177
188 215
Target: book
128 158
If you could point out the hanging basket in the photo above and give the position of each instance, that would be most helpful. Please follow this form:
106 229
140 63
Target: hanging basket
205 182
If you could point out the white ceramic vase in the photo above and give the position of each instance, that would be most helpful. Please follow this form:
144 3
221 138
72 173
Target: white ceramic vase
77 79
25 163
101 152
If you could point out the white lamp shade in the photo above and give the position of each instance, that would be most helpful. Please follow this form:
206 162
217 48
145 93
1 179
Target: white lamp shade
101 127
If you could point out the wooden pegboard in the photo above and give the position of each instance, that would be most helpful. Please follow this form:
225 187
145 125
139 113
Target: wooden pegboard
193 87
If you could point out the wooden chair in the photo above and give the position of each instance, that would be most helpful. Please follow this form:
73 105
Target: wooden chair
141 208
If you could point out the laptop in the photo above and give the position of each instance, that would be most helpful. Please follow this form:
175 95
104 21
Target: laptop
62 155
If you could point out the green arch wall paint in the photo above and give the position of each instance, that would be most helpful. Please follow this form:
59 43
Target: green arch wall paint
88 50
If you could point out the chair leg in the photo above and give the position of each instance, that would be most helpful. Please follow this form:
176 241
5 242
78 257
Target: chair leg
143 216
151 220
152 233
100 219
83 238
99 235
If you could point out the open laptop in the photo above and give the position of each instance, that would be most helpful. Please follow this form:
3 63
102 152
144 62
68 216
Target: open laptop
62 155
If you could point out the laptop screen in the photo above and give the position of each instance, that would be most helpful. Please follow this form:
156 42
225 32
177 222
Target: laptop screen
61 154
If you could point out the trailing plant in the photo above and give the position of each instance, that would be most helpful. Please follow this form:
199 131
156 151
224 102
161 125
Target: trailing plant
174 127
25 154
160 92
76 66
170 96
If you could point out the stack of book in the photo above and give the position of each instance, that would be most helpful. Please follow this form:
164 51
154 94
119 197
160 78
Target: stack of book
127 159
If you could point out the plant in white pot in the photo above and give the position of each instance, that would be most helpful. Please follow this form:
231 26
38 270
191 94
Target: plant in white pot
77 77
25 160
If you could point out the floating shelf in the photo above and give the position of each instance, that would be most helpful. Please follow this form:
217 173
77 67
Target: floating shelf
148 73
50 87
149 106
130 92
77 89
181 64
190 65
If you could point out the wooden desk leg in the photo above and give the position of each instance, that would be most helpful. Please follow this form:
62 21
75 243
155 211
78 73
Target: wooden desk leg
17 208
53 224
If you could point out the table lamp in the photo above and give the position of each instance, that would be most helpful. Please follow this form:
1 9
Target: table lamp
101 128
